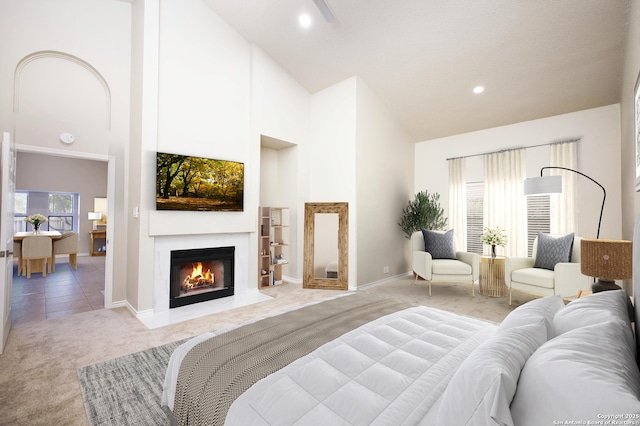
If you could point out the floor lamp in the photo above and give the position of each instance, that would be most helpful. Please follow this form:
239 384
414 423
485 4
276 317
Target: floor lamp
553 185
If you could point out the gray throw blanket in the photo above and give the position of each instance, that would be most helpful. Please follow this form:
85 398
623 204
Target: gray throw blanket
215 372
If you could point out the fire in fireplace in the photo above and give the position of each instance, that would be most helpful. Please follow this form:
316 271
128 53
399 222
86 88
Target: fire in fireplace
198 275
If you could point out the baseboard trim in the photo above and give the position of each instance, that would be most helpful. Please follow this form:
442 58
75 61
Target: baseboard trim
291 280
384 281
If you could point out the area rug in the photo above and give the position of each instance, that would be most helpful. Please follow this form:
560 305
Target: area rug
127 390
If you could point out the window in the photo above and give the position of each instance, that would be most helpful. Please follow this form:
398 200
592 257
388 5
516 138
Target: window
538 217
61 212
475 196
60 208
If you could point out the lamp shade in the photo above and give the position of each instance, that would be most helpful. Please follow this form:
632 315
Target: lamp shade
95 216
543 185
608 260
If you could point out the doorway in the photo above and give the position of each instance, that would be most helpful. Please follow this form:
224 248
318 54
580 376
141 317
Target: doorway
104 264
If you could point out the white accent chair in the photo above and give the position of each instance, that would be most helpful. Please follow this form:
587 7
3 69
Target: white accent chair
466 266
36 252
67 244
565 280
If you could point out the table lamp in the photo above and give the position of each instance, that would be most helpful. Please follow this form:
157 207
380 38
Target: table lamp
606 260
95 216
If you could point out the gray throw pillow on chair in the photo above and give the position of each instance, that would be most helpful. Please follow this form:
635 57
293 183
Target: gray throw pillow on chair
439 244
553 250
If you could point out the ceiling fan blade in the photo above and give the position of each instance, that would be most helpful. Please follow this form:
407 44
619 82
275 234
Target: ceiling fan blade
324 9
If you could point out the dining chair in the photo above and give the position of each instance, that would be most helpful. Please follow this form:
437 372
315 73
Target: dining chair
67 244
37 252
17 254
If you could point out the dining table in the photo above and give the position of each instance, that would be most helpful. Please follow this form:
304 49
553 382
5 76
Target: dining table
19 236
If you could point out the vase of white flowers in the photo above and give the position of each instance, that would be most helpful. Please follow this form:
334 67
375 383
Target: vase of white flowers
35 220
494 237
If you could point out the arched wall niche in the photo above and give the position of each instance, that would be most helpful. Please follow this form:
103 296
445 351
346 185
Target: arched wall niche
56 92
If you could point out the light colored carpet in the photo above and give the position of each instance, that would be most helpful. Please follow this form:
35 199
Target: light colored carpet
38 370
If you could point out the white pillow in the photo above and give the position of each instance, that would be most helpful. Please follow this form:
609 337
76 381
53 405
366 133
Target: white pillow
537 310
596 308
580 375
483 387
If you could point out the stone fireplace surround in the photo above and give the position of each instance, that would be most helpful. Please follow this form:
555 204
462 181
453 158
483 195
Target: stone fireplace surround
163 246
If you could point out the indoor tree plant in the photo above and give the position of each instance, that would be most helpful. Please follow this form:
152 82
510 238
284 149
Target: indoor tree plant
423 212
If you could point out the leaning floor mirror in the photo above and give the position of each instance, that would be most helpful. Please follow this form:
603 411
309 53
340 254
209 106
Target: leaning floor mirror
326 251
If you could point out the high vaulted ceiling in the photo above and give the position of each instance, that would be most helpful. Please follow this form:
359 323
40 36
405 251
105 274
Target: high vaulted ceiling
422 58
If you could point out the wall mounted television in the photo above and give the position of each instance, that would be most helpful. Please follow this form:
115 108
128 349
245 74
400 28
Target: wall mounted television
191 183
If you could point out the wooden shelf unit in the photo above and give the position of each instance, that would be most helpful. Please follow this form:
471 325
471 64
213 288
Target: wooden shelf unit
97 235
272 245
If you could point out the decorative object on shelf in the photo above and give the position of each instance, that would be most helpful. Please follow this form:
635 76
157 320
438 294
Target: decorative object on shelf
606 260
36 220
545 185
94 216
494 237
423 212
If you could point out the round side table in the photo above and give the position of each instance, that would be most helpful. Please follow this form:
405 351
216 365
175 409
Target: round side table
492 276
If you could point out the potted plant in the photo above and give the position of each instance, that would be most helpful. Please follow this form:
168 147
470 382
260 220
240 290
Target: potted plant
423 212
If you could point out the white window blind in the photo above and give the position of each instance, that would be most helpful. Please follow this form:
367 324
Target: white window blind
538 218
475 196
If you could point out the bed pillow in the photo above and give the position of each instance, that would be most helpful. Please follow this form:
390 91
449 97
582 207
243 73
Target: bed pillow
484 385
439 244
552 250
533 312
612 305
580 376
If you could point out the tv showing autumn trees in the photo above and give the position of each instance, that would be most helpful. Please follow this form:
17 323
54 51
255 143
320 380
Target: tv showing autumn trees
191 183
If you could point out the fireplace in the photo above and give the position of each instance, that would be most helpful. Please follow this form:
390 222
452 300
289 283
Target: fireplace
198 275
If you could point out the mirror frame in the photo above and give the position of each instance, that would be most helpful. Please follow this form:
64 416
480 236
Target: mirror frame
342 282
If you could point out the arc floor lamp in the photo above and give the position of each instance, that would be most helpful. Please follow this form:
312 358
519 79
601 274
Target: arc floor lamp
606 260
553 185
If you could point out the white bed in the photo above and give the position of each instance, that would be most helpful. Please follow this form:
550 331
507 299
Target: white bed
545 364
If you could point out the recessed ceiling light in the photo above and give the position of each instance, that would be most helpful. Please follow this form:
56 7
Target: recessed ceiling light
304 20
478 89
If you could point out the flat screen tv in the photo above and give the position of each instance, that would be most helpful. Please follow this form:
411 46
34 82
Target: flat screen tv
185 182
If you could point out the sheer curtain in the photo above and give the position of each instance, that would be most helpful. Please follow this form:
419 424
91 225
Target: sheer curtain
504 202
562 207
458 201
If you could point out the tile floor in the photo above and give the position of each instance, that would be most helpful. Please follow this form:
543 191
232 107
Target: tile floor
63 292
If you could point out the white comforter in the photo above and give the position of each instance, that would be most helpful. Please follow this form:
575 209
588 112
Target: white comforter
390 371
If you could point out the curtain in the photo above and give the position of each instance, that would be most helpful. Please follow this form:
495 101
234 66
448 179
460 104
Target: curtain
562 207
504 202
458 201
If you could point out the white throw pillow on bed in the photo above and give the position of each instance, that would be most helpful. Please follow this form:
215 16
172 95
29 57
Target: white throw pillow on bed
543 309
483 387
612 305
580 376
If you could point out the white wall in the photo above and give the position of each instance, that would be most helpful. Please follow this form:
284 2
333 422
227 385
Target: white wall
384 178
280 109
598 157
630 198
68 64
202 103
332 155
